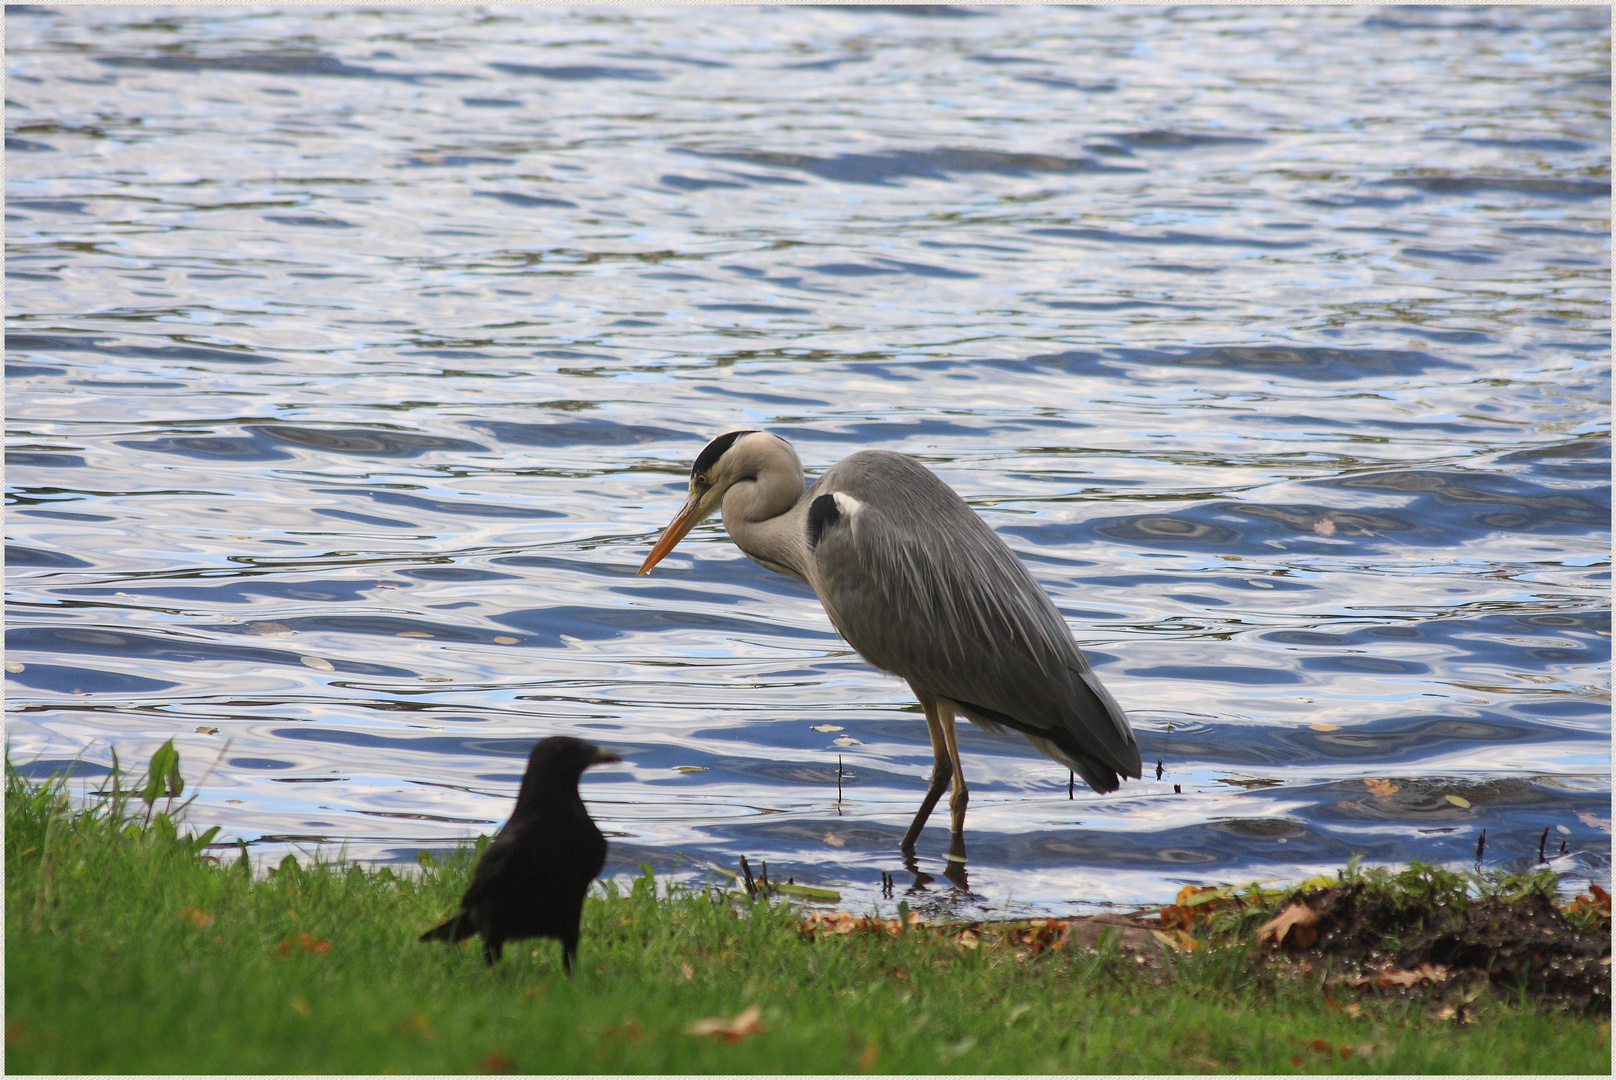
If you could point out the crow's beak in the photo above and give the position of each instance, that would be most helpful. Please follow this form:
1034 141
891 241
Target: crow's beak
604 757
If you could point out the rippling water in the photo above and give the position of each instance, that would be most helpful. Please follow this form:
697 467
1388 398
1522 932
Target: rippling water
356 356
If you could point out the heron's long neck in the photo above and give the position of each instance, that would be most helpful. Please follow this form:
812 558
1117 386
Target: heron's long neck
758 515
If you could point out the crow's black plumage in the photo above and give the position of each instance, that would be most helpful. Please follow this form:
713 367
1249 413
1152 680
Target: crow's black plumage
530 882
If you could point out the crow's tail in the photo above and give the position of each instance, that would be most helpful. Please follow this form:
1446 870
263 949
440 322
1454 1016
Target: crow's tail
456 929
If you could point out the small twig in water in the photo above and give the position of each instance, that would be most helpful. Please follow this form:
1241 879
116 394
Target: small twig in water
1071 784
1544 839
746 878
1159 769
1481 846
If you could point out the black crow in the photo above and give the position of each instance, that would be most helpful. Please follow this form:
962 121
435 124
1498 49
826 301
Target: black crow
531 880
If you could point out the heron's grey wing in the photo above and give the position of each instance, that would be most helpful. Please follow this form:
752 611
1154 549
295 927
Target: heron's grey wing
921 587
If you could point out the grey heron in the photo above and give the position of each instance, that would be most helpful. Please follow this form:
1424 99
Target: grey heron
922 588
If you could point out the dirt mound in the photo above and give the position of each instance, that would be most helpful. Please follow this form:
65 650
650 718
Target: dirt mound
1520 944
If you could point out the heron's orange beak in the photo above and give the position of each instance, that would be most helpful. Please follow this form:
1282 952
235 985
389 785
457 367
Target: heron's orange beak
689 516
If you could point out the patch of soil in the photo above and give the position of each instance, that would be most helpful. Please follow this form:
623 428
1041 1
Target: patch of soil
1526 944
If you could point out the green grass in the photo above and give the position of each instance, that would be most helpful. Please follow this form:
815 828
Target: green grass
128 951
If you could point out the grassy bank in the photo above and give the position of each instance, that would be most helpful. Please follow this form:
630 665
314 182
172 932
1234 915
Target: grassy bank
128 950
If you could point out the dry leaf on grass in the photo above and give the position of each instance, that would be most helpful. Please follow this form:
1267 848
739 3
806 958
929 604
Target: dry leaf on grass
842 922
1383 789
1297 921
749 1021
307 943
196 915
1598 902
1390 976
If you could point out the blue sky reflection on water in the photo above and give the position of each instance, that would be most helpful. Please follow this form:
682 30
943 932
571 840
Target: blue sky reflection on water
355 357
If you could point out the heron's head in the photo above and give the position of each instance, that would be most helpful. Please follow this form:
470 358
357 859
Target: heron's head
730 459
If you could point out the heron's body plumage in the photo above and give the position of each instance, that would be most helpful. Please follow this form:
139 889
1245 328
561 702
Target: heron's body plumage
924 589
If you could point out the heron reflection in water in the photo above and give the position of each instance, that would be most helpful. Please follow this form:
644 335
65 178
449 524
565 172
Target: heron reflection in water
922 588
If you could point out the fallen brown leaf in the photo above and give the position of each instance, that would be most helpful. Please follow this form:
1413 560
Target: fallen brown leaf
1596 900
307 943
1297 921
749 1021
1390 976
1383 789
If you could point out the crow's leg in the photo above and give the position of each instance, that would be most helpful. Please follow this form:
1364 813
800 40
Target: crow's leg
569 952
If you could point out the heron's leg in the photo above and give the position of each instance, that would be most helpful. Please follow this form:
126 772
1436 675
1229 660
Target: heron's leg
955 870
961 794
942 771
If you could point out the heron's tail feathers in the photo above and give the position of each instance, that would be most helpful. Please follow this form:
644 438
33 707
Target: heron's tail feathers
456 929
1085 730
1101 777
